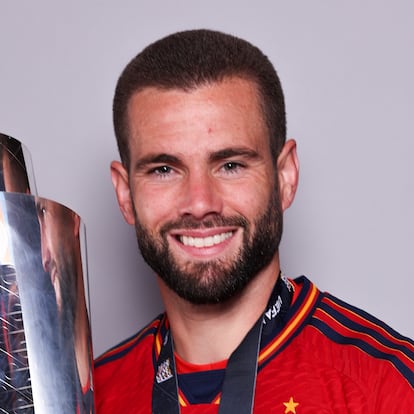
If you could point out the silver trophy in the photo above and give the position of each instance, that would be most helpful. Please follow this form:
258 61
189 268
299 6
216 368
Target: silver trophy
45 342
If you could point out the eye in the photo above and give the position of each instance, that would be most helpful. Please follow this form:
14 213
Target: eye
232 166
162 170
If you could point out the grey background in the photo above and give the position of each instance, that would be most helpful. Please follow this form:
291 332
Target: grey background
347 72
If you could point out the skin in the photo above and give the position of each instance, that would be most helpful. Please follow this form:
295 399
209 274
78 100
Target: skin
198 154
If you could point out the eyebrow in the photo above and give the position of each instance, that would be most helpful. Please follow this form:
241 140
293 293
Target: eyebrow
215 156
156 159
233 152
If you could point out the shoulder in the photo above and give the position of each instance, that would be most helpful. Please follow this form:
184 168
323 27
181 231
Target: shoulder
342 354
124 374
130 345
349 325
362 338
119 358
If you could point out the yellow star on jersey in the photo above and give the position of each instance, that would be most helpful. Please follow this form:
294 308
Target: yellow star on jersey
290 406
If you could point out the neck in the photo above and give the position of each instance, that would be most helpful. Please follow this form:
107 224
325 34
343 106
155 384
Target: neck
210 333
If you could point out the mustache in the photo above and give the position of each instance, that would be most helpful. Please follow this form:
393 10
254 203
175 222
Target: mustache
213 220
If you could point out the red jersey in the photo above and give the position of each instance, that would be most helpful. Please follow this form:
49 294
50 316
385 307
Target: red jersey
329 357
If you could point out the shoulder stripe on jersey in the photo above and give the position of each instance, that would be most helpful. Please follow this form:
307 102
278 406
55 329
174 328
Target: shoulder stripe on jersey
301 312
124 347
365 347
345 324
334 302
364 337
358 320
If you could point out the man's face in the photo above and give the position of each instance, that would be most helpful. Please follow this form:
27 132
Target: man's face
57 239
204 188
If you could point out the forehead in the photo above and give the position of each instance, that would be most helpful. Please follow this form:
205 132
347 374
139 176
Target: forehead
217 110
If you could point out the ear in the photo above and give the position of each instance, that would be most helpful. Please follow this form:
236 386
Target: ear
288 173
120 181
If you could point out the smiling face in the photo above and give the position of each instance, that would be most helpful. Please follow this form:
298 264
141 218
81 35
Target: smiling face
201 188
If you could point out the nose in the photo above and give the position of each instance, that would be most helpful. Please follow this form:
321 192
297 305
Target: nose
200 196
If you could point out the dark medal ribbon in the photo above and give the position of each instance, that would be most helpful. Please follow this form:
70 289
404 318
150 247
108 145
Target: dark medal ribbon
240 376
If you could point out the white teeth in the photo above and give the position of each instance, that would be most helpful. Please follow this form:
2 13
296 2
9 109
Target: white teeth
205 241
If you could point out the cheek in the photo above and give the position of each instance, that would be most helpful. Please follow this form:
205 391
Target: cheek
154 206
250 201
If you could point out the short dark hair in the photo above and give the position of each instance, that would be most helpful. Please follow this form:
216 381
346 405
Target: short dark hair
189 59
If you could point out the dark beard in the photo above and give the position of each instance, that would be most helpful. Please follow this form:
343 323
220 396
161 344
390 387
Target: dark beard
214 281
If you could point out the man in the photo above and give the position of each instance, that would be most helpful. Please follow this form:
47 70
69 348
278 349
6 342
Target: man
206 175
61 258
